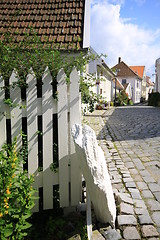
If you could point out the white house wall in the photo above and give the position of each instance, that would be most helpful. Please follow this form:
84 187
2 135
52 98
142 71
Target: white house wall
158 75
106 85
135 91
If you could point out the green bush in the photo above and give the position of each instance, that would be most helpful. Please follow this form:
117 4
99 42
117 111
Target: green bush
16 198
122 98
154 99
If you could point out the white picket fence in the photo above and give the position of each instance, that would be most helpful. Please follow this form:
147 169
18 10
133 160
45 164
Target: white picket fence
67 107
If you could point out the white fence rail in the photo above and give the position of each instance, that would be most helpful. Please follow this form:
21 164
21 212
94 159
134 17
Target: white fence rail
47 123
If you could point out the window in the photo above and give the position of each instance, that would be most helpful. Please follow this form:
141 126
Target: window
124 81
100 91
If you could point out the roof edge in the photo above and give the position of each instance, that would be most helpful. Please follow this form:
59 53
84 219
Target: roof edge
86 29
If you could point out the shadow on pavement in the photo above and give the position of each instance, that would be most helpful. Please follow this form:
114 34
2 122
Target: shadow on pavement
133 122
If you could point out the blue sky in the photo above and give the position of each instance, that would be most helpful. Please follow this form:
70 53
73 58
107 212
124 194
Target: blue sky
129 29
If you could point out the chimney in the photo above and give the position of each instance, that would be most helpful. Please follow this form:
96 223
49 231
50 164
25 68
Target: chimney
119 59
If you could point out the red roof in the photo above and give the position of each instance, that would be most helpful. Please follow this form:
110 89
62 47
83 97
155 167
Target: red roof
138 70
55 21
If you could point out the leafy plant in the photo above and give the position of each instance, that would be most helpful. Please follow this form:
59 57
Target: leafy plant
32 54
16 198
122 98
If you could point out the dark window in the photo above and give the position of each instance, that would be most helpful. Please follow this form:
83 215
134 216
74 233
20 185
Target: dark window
124 81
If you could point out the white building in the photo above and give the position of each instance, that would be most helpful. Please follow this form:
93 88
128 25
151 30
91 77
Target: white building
126 75
102 75
157 66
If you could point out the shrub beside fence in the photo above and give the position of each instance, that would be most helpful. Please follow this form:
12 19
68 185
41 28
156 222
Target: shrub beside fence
154 99
46 125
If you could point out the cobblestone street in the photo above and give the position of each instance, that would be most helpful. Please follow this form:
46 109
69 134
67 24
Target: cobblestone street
130 139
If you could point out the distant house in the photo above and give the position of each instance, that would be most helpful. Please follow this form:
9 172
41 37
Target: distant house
157 69
140 70
126 75
149 86
103 76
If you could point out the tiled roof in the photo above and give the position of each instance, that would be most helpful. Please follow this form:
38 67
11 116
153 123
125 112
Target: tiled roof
55 21
124 70
138 69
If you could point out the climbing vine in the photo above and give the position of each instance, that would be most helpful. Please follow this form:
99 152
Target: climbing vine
31 54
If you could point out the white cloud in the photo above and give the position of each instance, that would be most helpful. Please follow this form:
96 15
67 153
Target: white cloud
117 37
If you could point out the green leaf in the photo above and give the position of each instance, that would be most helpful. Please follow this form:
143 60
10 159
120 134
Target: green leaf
2 222
25 226
8 230
26 216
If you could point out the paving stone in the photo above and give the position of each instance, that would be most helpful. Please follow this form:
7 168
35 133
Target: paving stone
157 196
126 220
147 194
153 205
145 173
127 180
131 233
130 185
129 165
111 234
126 175
145 219
154 187
133 171
118 186
135 193
141 211
138 178
125 197
139 203
96 235
149 180
126 208
149 231
138 164
142 185
156 218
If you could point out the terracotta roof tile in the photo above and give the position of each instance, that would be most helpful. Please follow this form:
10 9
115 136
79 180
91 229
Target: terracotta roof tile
139 70
125 70
54 20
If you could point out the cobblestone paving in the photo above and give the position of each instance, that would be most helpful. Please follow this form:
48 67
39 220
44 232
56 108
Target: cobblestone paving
130 139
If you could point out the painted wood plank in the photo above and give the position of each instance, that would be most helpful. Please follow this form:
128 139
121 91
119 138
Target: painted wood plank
63 139
16 112
75 117
47 106
2 114
32 131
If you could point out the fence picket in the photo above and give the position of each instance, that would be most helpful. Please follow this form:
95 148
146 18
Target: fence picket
2 114
47 105
32 129
47 114
76 176
63 139
16 112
